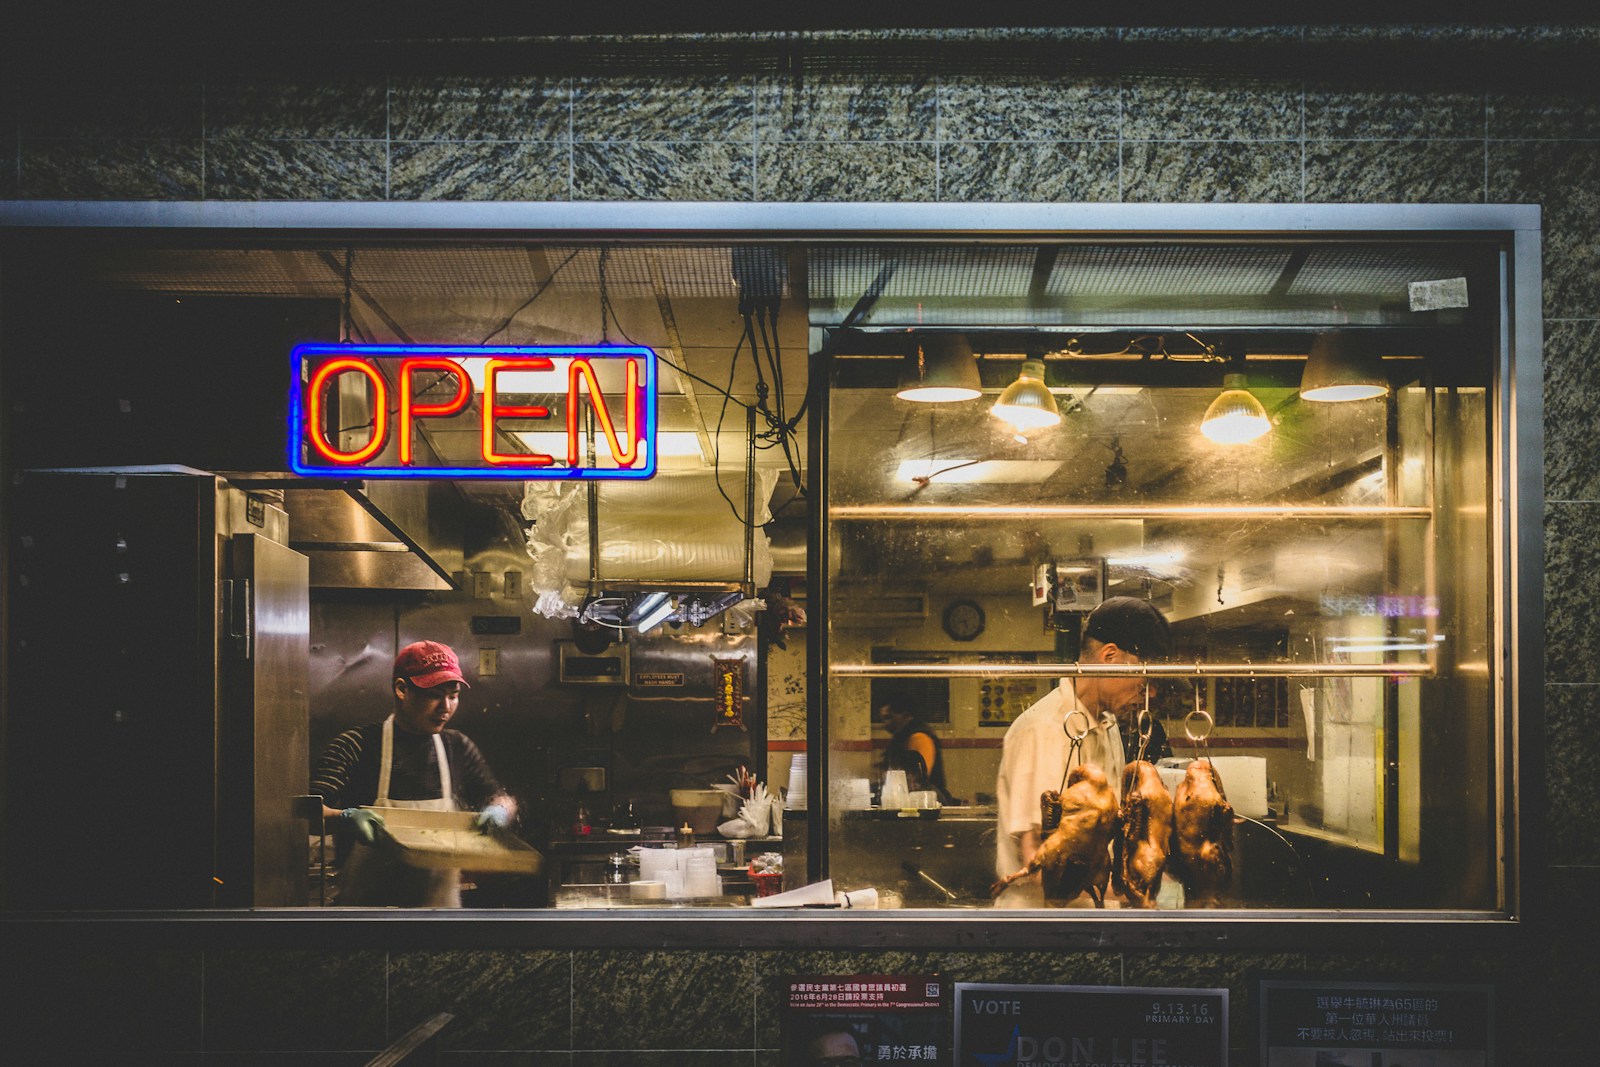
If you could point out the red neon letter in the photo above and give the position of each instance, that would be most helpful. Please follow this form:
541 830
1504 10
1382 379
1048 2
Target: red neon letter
493 411
581 368
314 412
409 410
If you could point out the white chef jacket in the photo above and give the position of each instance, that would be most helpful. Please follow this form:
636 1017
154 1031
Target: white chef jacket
1033 760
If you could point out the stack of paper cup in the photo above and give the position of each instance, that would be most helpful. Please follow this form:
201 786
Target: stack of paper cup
796 799
700 873
895 793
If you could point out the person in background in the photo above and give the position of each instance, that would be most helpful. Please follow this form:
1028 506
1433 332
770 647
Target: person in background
914 748
409 760
1034 753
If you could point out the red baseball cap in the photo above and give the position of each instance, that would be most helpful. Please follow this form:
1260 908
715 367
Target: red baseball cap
426 664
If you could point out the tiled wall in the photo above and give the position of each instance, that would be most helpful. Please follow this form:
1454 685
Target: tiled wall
1279 115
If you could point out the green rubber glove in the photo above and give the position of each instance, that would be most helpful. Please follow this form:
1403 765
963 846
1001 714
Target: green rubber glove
366 825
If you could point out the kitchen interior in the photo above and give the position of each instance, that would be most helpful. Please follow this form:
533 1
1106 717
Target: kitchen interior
960 555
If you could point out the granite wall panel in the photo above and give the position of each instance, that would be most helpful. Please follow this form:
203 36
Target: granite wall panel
1194 109
283 110
816 171
1572 761
480 109
296 170
663 109
1396 172
659 170
1082 171
1572 588
1345 114
111 170
480 170
662 1000
1038 110
1564 177
500 1000
1571 398
826 109
1211 172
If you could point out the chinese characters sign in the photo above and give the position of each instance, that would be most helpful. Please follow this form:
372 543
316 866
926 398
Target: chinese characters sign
1332 1023
372 411
729 692
865 1018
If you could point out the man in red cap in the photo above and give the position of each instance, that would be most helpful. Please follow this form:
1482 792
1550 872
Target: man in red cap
410 760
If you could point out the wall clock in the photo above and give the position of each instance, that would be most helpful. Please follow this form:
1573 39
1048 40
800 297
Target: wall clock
963 620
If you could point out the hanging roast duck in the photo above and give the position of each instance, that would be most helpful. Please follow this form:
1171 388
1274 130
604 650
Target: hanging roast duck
1143 837
1076 857
1202 835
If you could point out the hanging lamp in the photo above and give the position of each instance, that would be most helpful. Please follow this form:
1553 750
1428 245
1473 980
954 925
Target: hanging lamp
942 369
1341 368
1027 404
1235 417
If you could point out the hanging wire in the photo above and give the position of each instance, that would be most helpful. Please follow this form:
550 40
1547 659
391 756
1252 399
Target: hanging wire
537 293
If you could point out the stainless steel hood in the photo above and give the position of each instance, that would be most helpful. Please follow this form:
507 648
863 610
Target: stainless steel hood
378 535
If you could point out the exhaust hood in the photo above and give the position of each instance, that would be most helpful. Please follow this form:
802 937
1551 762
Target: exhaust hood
377 535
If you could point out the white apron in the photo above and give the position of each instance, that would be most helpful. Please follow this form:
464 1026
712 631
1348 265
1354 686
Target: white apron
375 876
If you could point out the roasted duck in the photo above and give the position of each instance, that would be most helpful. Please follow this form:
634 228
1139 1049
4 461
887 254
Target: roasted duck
1143 837
1202 835
1076 857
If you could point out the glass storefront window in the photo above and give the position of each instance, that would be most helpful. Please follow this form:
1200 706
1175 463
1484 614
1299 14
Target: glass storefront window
1335 593
1327 583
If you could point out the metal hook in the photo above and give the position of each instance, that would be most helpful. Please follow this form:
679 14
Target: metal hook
1075 750
1147 727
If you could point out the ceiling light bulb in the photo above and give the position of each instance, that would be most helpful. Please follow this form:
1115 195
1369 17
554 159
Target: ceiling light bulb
1339 368
1027 404
941 370
1235 416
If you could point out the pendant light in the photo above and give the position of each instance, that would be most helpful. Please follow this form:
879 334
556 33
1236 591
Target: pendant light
1027 404
1339 368
1235 417
941 370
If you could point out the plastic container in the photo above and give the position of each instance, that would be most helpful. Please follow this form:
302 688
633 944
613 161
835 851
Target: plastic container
768 883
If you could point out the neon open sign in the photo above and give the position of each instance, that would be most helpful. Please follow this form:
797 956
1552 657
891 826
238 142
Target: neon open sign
534 412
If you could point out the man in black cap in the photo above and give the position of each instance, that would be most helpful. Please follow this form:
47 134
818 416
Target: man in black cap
1034 754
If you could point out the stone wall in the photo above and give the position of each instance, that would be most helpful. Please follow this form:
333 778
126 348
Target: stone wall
1287 115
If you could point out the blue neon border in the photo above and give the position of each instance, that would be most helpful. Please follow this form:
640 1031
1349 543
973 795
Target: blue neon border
300 353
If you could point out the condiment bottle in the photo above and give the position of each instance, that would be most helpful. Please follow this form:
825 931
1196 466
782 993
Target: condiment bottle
685 836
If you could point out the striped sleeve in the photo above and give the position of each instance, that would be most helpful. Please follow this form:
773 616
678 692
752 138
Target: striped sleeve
332 775
477 785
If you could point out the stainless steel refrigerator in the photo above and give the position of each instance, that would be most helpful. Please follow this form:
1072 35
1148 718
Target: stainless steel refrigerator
157 721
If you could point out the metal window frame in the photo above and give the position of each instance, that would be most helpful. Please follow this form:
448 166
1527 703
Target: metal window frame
1519 556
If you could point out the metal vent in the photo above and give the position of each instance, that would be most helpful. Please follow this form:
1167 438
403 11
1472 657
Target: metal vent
1175 270
1381 271
846 273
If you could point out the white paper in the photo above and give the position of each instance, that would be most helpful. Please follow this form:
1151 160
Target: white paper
815 893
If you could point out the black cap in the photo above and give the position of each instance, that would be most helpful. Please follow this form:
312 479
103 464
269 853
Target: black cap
1131 624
